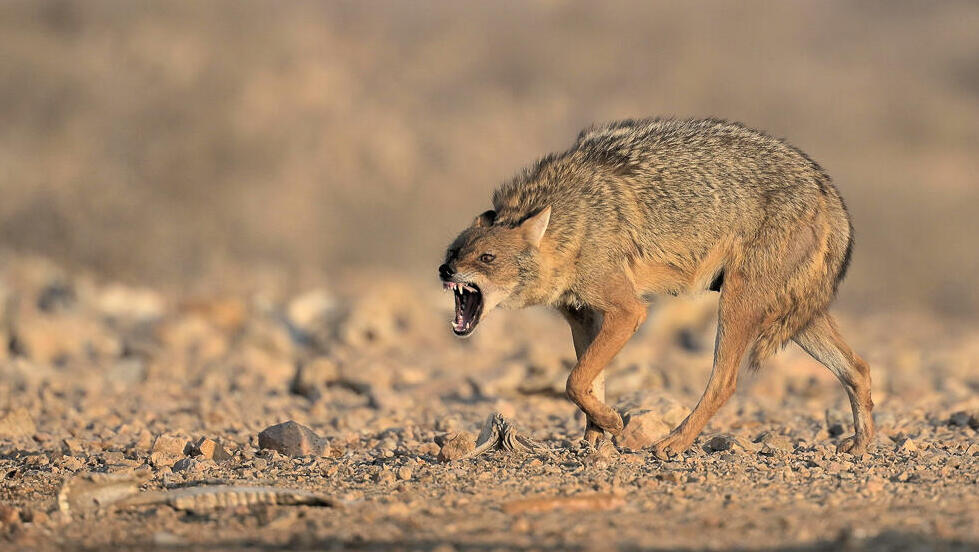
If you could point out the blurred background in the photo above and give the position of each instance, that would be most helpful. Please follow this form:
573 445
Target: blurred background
214 145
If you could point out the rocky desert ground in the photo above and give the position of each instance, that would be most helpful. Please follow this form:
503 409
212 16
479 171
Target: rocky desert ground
199 348
137 418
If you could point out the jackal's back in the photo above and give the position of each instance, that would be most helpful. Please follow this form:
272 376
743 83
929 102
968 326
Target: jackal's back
670 189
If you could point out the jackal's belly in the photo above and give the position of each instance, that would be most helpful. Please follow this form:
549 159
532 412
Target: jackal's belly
652 277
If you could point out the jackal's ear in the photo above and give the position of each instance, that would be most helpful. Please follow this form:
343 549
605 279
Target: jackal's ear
534 227
485 220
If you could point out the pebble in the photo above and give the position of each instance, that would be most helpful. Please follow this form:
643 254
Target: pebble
906 446
17 423
168 448
720 443
292 439
641 430
385 476
210 450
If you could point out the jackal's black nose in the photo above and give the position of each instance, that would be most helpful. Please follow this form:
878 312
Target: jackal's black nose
446 271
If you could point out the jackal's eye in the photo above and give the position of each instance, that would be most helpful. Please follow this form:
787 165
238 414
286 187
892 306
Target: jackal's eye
487 257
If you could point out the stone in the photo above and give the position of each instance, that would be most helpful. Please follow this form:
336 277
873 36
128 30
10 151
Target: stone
72 446
192 465
71 463
405 473
385 476
9 516
457 446
773 444
603 455
210 450
906 446
312 376
292 439
429 448
719 443
168 448
960 419
127 303
54 339
309 308
642 429
17 424
836 430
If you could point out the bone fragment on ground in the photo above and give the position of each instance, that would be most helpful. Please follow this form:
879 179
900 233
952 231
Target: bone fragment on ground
214 497
91 491
496 433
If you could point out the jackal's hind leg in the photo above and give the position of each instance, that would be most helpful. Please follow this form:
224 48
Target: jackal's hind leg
737 327
824 343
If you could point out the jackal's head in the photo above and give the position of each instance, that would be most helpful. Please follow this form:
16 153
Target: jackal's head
491 265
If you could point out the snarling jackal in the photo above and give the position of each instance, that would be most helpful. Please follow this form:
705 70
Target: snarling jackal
639 208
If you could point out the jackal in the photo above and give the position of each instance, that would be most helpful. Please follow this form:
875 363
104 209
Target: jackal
638 208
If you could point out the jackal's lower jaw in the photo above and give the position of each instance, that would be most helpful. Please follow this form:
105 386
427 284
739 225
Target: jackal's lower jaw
469 307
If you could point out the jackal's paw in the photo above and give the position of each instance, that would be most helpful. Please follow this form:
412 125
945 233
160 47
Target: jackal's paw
852 445
609 421
669 447
594 435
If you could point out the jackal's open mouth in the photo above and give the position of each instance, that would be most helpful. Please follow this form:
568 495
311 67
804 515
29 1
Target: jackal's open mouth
469 306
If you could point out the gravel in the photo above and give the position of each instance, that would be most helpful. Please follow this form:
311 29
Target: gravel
118 381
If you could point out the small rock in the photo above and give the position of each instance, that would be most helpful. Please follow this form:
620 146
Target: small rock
185 464
458 446
71 463
210 450
774 444
960 419
642 429
719 443
17 423
906 446
385 476
405 473
9 516
671 477
312 376
836 430
36 460
292 439
603 455
121 302
429 448
72 447
309 308
193 465
168 448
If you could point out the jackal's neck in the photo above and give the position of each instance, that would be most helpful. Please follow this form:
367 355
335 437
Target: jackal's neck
555 271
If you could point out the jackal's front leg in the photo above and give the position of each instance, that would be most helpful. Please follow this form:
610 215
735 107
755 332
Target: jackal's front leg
617 326
585 323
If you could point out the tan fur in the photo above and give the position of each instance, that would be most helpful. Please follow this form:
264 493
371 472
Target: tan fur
640 208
